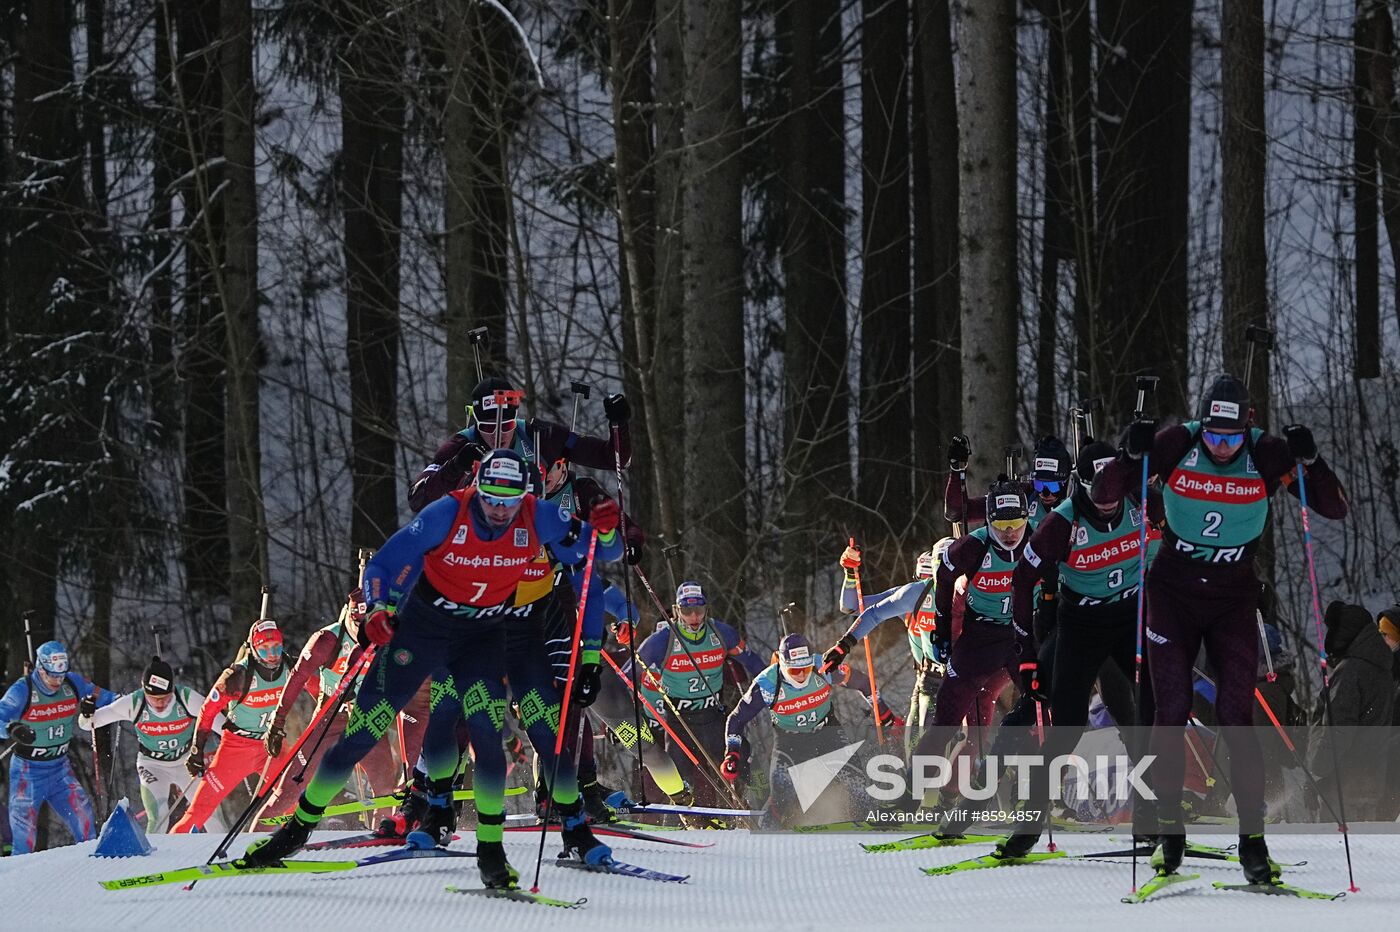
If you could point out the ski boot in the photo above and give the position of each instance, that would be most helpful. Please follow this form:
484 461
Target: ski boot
578 837
410 812
281 844
1171 848
1015 846
439 819
496 872
595 800
1254 858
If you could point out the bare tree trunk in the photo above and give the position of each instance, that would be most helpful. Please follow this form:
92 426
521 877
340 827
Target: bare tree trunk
987 156
1055 237
1144 173
817 469
937 293
1368 287
371 123
667 430
1075 23
476 133
715 414
247 525
885 486
1243 259
1380 45
45 290
165 148
205 529
629 23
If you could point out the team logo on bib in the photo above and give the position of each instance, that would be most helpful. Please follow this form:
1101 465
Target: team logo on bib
987 561
522 537
1081 535
1191 458
1135 516
461 536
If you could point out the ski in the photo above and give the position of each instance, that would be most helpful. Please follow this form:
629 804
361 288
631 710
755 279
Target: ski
1193 850
379 802
931 840
667 809
1157 884
519 896
409 854
991 860
1277 888
368 840
621 867
613 830
225 869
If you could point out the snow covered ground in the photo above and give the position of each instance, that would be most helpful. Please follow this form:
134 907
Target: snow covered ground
746 881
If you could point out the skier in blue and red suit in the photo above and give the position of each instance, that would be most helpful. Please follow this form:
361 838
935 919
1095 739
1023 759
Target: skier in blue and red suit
684 661
800 705
475 548
40 714
1218 473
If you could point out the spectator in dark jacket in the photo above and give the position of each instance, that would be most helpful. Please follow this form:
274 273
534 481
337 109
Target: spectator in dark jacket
1362 696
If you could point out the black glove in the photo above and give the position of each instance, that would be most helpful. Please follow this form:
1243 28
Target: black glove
959 452
195 762
837 655
87 706
617 409
942 642
468 456
632 552
587 684
272 741
22 733
1030 681
1138 438
1301 443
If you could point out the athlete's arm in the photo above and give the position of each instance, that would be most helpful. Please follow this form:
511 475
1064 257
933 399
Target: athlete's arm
961 559
395 564
1048 546
892 603
231 686
320 651
1124 474
123 710
13 703
759 697
1277 465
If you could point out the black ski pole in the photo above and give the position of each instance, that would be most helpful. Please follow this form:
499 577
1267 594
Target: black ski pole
616 431
476 337
1146 385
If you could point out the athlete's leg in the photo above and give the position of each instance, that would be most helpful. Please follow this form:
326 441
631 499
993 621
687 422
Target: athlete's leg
24 803
70 801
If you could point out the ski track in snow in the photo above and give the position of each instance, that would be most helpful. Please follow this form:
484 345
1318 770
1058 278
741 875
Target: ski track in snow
747 881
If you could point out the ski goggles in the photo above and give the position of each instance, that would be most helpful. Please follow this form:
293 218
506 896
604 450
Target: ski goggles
799 674
1218 439
500 501
1047 485
269 652
1009 524
489 427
